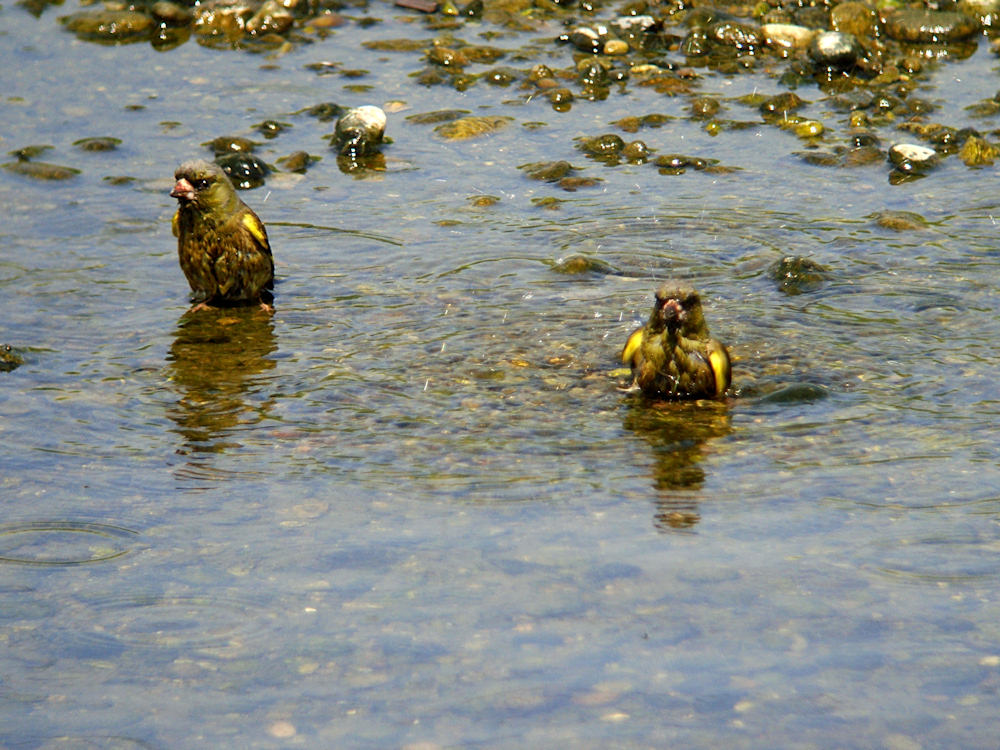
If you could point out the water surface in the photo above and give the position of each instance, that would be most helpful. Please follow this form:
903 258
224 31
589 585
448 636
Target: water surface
414 508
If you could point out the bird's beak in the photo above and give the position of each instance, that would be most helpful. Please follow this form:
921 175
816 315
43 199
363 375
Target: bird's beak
672 311
183 190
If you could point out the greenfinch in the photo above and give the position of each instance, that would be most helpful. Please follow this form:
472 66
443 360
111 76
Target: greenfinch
221 243
673 356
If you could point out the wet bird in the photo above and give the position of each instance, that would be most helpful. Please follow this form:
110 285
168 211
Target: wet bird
221 243
673 355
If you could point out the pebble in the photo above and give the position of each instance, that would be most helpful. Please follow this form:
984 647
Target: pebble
171 13
704 107
548 171
271 17
471 127
977 152
809 129
912 158
780 104
227 144
297 161
900 221
97 144
636 152
786 35
244 169
41 170
586 40
835 49
282 730
615 47
986 10
602 145
929 26
110 25
9 358
854 18
742 36
796 275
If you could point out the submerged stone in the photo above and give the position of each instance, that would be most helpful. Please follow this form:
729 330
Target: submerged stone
796 275
547 171
922 26
779 104
854 18
227 144
97 144
679 163
581 264
808 129
437 116
171 13
797 393
472 127
636 152
742 36
900 221
110 26
271 128
271 17
26 153
446 57
10 359
705 107
608 144
977 152
297 161
324 112
40 170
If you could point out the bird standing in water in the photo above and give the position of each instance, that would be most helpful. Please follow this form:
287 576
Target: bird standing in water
674 356
221 243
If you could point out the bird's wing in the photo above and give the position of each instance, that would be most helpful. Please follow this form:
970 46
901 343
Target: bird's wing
174 223
257 231
718 358
632 345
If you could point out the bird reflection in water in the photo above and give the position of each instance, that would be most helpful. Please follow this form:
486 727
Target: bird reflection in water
679 434
216 362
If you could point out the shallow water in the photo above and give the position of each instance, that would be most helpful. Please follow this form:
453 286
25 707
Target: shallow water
413 507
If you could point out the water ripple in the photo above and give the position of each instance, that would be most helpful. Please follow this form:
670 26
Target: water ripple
59 542
169 621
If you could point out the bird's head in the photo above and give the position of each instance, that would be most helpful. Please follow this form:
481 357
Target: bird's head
203 184
678 307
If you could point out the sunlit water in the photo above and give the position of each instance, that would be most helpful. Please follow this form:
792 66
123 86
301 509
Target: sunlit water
414 505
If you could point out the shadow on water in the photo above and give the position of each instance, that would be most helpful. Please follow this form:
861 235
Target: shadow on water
216 361
679 434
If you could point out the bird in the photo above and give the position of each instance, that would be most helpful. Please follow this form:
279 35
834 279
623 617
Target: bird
674 356
221 243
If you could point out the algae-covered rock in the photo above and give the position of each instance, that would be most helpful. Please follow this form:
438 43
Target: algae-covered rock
472 127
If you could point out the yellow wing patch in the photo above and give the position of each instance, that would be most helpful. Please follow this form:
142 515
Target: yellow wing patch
253 225
173 223
632 345
718 358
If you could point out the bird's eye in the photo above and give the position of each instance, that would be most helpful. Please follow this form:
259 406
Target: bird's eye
200 184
